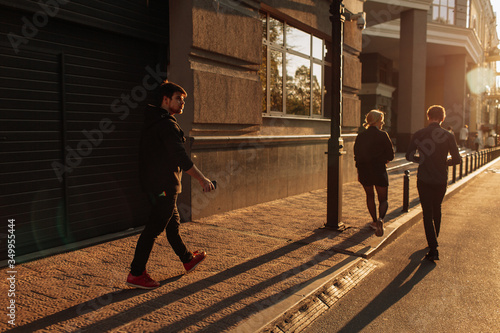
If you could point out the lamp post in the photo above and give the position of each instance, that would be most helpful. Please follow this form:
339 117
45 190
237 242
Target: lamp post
334 191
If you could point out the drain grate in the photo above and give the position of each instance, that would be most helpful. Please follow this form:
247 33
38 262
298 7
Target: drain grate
302 316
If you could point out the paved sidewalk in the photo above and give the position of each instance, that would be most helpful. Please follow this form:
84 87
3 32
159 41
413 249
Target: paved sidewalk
263 261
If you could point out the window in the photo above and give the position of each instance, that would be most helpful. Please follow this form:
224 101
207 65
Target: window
443 11
292 70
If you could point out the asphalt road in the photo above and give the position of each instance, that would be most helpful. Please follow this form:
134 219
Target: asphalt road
459 293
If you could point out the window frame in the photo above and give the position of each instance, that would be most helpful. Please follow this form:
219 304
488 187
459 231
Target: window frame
440 6
286 51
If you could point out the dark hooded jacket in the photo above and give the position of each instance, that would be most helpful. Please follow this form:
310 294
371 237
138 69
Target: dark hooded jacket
162 155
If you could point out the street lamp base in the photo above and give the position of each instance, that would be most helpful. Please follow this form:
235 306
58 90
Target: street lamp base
338 227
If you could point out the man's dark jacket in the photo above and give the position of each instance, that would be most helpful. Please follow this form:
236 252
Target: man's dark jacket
433 144
162 155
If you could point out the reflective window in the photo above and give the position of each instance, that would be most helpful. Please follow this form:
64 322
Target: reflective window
319 49
298 40
317 93
276 81
298 85
276 31
292 70
263 77
443 11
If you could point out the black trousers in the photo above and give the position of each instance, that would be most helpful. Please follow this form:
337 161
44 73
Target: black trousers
164 216
431 197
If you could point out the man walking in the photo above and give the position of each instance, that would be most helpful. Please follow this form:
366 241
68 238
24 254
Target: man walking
433 144
162 159
464 136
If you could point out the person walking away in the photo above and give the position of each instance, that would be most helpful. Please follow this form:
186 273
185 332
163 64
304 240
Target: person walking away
433 144
477 142
490 141
163 158
373 149
464 136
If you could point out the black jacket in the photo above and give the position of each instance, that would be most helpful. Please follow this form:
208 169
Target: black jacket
373 149
162 155
433 144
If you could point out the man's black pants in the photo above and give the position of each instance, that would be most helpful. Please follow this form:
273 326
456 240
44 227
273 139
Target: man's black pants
164 215
431 197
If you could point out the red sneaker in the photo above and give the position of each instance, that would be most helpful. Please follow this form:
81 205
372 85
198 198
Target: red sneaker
198 256
143 281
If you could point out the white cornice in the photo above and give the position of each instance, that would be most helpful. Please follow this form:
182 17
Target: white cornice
381 89
415 4
388 29
442 34
438 34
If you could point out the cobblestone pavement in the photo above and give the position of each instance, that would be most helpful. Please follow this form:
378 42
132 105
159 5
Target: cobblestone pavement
257 256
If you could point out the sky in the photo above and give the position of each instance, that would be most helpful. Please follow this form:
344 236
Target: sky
496 9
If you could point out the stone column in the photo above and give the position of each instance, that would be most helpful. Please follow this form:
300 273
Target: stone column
454 94
412 66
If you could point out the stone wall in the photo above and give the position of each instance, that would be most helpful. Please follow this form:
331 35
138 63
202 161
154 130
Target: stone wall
215 54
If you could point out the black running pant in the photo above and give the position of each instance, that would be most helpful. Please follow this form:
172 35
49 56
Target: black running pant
164 216
431 197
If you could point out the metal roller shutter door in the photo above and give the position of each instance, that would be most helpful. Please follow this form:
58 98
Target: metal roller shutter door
68 161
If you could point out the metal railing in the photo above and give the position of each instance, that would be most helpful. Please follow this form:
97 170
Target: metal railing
469 163
472 161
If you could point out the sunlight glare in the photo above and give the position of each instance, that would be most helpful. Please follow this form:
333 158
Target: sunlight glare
480 80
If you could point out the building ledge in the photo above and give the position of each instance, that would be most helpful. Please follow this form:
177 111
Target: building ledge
381 89
451 35
442 39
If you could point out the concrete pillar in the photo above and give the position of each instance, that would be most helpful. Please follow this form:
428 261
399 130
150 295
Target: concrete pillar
412 66
454 93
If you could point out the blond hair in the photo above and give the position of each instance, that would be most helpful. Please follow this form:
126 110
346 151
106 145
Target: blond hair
373 117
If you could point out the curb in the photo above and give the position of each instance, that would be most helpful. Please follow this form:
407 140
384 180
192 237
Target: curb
296 311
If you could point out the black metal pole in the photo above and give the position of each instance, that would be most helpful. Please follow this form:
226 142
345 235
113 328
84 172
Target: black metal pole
466 164
406 191
334 191
461 174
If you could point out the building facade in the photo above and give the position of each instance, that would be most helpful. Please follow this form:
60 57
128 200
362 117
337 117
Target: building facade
259 73
437 52
77 74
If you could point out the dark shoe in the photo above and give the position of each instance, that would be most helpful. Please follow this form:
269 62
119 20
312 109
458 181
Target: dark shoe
379 231
143 281
433 255
198 256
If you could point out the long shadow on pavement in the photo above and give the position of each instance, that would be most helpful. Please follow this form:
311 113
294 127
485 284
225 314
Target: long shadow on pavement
391 294
85 308
149 306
